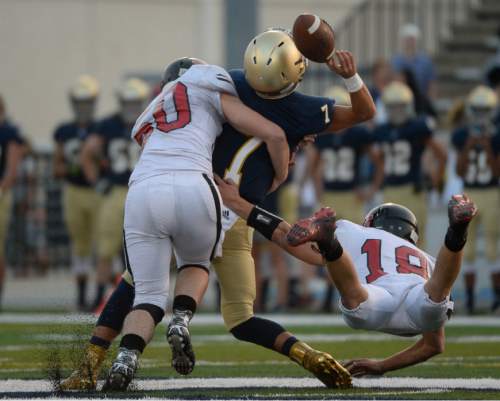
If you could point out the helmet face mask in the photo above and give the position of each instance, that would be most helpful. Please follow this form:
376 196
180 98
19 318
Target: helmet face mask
132 97
398 101
395 219
480 106
273 65
83 110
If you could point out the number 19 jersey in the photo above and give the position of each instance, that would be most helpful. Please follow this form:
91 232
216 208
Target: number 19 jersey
182 123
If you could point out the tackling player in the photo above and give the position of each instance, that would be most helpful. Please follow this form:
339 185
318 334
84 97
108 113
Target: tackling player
173 205
268 86
10 156
385 282
478 163
111 149
80 202
403 140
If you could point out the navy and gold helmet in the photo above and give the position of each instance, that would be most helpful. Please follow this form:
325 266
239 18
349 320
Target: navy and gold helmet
394 218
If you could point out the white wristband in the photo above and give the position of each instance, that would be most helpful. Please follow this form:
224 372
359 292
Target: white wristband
354 83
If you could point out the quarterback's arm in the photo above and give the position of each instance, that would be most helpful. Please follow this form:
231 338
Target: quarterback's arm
362 106
253 124
431 344
14 156
91 148
232 199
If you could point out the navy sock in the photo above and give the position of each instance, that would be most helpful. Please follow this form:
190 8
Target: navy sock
184 302
100 342
133 342
285 350
258 331
118 306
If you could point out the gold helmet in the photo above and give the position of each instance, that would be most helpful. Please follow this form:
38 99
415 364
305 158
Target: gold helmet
398 101
133 89
273 65
481 104
86 87
339 94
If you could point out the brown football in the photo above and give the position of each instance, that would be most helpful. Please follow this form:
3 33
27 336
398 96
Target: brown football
313 37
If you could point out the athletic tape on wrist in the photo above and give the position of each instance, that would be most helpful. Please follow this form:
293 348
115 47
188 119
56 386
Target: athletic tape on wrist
354 83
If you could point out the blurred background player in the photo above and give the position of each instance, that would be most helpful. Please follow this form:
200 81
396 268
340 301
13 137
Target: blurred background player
478 163
10 157
111 149
403 140
80 200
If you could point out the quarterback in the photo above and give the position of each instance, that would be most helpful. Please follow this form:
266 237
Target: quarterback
385 282
268 87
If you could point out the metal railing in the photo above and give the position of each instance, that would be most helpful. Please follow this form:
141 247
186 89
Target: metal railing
371 30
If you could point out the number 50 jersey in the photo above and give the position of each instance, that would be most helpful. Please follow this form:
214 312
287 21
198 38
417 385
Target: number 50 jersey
182 123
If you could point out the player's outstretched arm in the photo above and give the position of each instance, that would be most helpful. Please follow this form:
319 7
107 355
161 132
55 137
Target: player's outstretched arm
277 229
90 150
362 106
431 344
253 124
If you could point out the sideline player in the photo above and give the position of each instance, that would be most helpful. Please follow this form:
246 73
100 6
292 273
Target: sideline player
81 202
403 140
478 163
385 282
173 205
271 92
110 151
10 156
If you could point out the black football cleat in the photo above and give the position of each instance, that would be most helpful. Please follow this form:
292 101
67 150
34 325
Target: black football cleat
122 370
179 339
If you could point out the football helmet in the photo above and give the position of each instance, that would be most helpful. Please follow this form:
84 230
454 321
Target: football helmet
339 94
398 101
132 95
83 95
394 218
480 105
273 65
178 67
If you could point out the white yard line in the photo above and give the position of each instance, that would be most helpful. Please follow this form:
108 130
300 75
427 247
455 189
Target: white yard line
277 382
215 319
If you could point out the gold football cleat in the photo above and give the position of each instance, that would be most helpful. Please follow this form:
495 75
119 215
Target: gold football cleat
322 365
85 377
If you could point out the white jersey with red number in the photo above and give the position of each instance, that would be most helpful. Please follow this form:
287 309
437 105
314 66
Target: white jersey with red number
394 272
179 127
381 257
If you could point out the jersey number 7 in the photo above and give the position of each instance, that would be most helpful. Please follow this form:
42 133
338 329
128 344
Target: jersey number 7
372 248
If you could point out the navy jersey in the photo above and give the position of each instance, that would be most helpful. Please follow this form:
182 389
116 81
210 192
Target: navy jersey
403 147
120 151
341 157
71 137
479 173
246 160
8 133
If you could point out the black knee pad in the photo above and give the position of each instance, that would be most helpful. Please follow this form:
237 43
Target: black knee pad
156 312
118 306
258 331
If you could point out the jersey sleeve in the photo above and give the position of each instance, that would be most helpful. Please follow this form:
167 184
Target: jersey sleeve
314 114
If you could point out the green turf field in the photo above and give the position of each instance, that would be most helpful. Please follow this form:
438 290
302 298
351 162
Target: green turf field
30 350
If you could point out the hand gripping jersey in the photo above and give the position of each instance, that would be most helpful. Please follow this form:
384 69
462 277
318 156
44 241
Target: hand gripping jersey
120 152
71 138
246 160
341 155
8 133
403 147
479 173
182 123
394 272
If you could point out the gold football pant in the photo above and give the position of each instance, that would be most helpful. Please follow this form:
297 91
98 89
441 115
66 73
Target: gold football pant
236 274
81 205
415 201
345 203
288 203
110 223
5 212
488 202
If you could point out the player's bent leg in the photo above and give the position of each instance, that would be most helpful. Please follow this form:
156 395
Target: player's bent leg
426 314
108 327
191 284
461 210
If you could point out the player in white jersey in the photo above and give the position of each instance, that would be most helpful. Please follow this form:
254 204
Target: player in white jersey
385 281
173 206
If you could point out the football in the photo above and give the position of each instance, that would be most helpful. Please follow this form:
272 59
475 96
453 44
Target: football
314 37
